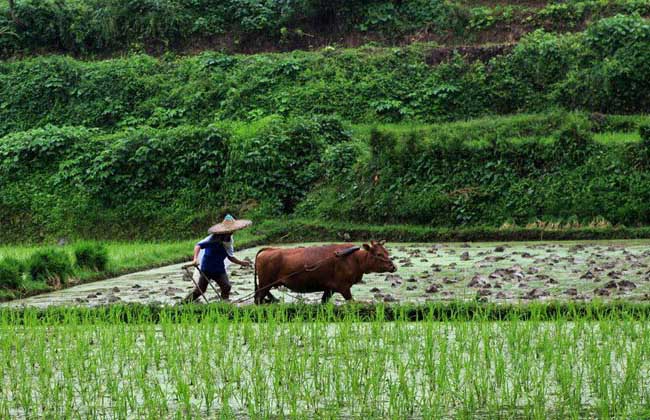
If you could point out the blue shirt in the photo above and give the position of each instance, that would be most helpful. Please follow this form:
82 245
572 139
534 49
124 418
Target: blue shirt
213 258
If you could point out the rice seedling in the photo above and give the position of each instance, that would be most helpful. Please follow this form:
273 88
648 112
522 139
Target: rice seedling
125 362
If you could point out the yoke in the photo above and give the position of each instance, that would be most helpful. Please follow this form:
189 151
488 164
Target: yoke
347 251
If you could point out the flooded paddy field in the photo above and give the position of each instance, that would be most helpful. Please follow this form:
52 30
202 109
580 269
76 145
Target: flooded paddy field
301 369
497 272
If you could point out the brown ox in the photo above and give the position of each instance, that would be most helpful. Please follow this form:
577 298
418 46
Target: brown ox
327 269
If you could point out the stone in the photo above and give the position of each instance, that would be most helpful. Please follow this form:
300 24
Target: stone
536 293
588 275
433 289
477 281
610 285
392 278
626 284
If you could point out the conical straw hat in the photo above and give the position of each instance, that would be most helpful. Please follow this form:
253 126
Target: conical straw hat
229 225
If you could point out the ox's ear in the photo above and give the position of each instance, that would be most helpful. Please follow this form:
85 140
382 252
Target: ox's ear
367 247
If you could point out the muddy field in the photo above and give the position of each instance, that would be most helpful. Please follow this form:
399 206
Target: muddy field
501 272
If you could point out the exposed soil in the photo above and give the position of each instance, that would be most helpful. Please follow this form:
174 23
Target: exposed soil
512 272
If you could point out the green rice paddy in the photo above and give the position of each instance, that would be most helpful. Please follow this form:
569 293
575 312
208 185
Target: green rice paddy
77 364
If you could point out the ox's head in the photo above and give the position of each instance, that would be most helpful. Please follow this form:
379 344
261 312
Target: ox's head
378 259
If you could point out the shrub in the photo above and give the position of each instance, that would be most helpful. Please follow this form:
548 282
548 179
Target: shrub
50 265
607 36
93 256
638 154
11 273
644 133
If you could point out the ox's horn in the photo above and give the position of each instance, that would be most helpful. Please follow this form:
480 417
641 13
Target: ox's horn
382 242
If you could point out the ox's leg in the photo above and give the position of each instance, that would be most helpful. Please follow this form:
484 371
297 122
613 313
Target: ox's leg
263 294
260 294
327 295
347 294
270 298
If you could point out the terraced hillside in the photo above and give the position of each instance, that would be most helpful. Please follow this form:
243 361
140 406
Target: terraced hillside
92 27
449 115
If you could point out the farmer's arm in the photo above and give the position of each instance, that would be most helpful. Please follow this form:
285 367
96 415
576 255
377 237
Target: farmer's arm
236 260
197 249
230 251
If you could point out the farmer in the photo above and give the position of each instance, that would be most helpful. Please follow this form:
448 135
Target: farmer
210 256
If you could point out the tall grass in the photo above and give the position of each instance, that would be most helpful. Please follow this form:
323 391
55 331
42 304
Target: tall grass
122 255
74 363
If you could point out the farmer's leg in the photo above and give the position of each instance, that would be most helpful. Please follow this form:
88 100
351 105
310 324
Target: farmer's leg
196 293
224 284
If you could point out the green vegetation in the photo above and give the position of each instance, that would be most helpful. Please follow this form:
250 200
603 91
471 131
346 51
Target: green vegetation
457 120
59 362
595 70
526 171
88 27
455 177
11 273
50 265
157 148
91 256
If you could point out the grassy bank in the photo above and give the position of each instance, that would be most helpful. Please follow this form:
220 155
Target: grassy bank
300 230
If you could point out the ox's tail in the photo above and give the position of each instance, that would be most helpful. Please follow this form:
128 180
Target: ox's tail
255 268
